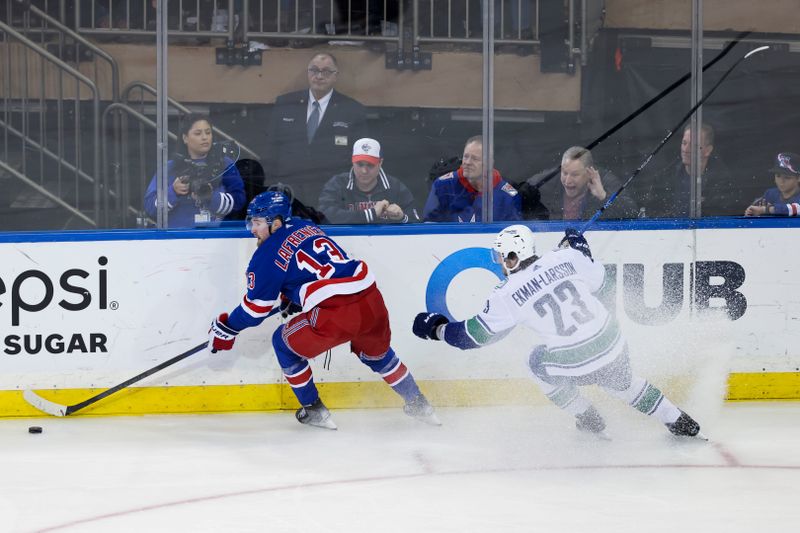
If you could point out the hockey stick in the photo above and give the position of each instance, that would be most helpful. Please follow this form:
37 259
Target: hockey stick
647 105
671 132
55 409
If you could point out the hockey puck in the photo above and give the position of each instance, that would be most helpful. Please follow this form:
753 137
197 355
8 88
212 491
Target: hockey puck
35 429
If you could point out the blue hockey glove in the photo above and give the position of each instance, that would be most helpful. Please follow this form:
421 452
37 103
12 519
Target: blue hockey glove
575 240
221 336
288 307
425 325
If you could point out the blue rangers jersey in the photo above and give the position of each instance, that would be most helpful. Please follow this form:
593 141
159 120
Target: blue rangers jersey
302 263
453 199
789 207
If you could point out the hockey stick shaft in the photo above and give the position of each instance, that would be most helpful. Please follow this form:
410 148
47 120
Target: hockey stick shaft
55 409
670 133
650 103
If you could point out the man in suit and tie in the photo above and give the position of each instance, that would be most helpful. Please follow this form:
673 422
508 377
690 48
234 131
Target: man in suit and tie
311 132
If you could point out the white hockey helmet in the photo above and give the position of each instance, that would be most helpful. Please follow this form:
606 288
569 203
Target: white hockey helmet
516 239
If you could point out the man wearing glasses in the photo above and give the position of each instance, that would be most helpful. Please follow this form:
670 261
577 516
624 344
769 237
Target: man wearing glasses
312 131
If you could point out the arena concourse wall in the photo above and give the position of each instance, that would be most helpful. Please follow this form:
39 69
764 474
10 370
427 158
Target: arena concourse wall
711 301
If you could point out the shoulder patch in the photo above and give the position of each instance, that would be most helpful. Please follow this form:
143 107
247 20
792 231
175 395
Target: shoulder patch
445 177
508 188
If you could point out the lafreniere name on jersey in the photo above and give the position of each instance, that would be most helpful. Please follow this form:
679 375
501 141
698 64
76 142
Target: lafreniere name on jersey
293 241
542 278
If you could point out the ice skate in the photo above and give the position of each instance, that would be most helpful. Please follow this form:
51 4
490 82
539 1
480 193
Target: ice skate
685 426
315 414
420 409
590 421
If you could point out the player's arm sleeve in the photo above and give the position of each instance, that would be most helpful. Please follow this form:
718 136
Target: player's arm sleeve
259 302
480 330
467 334
593 271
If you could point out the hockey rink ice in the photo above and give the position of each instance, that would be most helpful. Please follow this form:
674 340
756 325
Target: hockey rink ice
521 468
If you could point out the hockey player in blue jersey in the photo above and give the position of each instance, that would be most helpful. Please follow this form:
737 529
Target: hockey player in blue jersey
297 268
581 342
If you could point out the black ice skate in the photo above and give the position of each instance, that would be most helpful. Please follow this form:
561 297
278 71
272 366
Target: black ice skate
590 421
315 414
685 426
420 409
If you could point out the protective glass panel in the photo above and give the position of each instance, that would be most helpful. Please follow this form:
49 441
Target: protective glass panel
78 123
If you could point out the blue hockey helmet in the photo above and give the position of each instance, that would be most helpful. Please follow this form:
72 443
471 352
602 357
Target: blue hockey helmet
268 205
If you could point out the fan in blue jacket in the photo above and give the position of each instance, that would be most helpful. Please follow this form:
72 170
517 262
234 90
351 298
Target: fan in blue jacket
457 196
189 201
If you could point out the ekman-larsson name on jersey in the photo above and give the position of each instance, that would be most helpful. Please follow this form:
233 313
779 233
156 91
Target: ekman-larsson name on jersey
543 279
33 291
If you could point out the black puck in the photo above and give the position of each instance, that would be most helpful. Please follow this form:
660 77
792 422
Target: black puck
35 429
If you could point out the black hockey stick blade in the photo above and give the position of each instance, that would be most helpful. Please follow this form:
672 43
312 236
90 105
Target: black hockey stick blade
55 409
670 133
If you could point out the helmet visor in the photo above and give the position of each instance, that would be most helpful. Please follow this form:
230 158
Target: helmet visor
497 257
248 221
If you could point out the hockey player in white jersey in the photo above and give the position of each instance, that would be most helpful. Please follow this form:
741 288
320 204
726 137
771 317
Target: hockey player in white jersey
581 342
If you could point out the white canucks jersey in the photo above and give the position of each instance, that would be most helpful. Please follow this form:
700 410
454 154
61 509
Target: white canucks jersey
555 297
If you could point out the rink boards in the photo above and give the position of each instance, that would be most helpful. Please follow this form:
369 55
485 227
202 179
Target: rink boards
716 302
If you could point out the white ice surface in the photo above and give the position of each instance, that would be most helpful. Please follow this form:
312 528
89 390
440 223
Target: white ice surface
486 469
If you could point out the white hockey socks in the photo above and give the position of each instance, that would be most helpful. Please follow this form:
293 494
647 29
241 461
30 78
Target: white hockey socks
566 397
648 399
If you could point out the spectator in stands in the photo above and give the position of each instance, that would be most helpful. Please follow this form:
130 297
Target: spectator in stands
311 132
457 196
204 186
784 198
582 190
366 194
669 192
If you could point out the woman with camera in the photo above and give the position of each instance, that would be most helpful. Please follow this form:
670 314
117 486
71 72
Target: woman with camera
205 185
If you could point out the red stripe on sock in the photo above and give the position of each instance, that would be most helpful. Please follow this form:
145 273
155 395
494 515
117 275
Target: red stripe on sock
397 375
299 379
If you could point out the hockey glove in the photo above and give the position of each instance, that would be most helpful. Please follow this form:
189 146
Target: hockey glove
221 336
575 240
288 307
425 325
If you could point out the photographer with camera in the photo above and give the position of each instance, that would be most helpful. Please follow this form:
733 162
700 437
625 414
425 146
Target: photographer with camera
205 183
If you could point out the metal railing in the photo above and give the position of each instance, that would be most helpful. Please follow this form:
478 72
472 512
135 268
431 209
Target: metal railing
417 21
51 138
190 18
145 88
59 160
